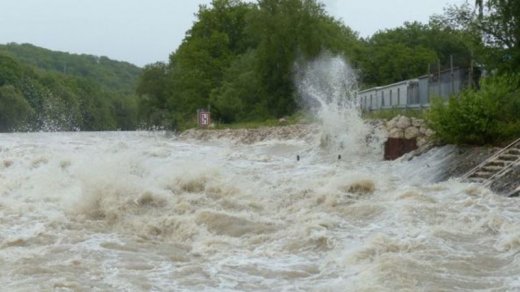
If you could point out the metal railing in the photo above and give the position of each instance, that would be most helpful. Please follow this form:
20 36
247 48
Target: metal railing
493 157
502 172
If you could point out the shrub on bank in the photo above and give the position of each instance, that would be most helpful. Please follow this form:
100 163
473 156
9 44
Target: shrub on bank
489 115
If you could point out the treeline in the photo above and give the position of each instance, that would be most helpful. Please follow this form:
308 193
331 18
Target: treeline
36 95
239 58
490 114
115 76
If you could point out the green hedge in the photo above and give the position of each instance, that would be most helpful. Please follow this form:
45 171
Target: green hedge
489 115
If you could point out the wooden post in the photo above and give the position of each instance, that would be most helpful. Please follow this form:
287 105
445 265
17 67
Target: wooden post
470 74
452 76
439 77
429 83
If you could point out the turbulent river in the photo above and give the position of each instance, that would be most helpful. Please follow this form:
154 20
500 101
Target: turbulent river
235 210
145 211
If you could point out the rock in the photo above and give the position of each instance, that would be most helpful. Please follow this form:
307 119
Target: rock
417 122
282 121
391 124
411 132
377 123
396 133
421 142
403 122
422 130
429 133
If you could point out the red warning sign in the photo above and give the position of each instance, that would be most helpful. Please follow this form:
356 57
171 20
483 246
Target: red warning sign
204 118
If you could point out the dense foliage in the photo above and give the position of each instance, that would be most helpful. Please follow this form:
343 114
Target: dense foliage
488 115
114 76
491 114
239 58
499 23
37 99
412 50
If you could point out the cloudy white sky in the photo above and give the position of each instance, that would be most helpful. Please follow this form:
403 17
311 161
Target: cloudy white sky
143 32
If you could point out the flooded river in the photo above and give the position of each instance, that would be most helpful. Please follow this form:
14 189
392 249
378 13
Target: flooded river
237 211
144 211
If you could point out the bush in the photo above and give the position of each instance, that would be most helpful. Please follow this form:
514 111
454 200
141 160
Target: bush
486 116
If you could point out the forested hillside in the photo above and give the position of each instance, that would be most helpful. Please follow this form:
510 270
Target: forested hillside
86 95
111 75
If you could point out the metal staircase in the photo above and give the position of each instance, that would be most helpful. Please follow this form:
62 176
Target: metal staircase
495 166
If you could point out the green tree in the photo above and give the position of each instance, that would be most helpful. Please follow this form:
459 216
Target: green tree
406 52
152 90
239 58
58 101
198 65
240 98
108 74
496 25
292 30
499 22
10 71
488 115
15 111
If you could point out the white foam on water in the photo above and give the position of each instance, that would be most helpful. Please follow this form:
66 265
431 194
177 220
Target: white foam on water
139 211
235 210
327 86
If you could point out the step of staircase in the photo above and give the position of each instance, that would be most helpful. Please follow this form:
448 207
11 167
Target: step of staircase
515 193
508 157
492 168
477 180
495 166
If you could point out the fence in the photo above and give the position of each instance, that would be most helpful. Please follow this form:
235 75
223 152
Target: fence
415 93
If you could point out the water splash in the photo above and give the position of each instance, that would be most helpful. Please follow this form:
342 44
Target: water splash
327 87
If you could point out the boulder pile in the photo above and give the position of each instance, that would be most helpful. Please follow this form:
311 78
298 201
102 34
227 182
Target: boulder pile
409 128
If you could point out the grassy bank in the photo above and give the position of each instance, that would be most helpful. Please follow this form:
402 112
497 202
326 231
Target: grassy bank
388 114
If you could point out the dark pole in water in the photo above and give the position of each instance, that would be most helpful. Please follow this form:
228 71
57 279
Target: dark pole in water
297 157
339 157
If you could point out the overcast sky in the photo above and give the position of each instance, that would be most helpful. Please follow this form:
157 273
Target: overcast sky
143 32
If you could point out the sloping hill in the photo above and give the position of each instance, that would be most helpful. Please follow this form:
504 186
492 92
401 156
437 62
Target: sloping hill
111 75
92 95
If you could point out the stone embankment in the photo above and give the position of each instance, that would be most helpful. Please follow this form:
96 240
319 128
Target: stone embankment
250 136
402 127
405 135
463 160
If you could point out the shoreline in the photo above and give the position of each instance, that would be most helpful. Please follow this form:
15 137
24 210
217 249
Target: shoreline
465 157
